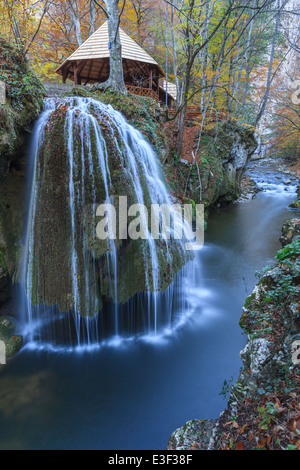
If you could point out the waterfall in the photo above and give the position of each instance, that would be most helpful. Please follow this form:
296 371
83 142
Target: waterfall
78 290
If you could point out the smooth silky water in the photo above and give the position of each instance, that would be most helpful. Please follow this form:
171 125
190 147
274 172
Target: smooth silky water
130 392
88 161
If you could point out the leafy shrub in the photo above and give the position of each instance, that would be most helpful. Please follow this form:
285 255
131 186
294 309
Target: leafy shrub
289 251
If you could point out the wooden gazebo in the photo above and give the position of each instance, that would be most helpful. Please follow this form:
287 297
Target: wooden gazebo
90 64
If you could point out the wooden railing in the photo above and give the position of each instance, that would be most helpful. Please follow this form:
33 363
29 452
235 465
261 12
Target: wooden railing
193 112
138 90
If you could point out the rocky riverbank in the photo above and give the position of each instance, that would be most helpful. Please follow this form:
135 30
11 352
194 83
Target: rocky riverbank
249 188
13 342
263 408
276 164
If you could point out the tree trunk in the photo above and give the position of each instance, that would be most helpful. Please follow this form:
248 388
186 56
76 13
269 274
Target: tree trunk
116 76
178 101
269 79
242 66
204 54
181 119
92 18
74 14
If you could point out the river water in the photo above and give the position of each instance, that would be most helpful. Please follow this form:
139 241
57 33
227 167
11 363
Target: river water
131 395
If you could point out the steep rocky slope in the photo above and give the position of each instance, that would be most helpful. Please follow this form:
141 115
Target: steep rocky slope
24 96
215 176
263 408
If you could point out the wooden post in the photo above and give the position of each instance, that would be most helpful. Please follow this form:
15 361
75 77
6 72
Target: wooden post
79 70
158 81
151 79
100 72
75 71
65 71
64 74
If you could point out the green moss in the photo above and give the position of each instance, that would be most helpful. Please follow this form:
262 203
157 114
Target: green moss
141 112
295 205
13 343
52 271
24 96
23 104
218 187
277 289
249 300
2 258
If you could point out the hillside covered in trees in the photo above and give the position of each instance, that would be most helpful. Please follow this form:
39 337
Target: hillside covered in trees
227 57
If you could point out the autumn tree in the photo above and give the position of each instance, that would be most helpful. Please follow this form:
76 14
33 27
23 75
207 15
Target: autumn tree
217 47
21 21
285 126
137 18
116 76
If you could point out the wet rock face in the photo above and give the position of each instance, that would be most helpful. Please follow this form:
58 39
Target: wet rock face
13 343
296 204
266 354
195 434
24 96
290 231
87 156
256 357
222 161
4 286
4 278
243 147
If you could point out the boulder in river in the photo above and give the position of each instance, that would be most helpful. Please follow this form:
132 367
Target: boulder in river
13 343
290 231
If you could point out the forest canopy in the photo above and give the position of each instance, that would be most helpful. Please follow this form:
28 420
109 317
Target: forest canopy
225 56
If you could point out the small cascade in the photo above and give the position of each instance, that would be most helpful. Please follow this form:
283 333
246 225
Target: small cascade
79 290
272 181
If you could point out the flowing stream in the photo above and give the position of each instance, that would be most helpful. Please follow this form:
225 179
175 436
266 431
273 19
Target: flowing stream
132 394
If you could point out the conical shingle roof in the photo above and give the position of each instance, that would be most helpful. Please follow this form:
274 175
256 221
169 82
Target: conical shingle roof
96 48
